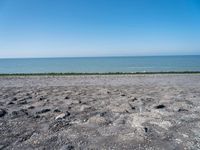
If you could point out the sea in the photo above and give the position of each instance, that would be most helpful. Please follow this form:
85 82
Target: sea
100 64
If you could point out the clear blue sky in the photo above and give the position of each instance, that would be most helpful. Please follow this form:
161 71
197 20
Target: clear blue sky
54 28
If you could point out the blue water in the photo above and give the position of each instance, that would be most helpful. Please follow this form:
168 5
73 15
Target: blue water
101 64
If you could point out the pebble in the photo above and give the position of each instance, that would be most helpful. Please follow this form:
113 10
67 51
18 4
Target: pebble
2 112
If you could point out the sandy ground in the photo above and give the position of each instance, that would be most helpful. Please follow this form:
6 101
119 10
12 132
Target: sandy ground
100 112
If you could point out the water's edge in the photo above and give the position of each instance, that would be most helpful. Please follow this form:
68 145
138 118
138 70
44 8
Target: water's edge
106 73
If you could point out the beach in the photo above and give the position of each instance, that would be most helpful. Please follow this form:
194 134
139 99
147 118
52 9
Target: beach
155 111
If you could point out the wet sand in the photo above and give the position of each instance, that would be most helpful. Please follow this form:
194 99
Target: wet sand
100 112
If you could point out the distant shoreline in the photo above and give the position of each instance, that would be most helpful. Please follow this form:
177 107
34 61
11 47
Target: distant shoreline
105 73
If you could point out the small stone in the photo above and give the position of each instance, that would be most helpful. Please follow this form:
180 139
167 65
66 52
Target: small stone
57 110
10 103
2 112
160 106
182 109
36 116
23 102
146 129
31 107
61 116
41 98
123 95
67 113
67 97
43 111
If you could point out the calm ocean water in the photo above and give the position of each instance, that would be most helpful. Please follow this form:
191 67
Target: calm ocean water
101 64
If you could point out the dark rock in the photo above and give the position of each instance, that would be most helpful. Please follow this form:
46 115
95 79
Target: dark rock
11 103
67 97
31 107
2 112
43 111
123 95
133 107
37 116
79 101
57 110
67 113
41 98
22 102
146 129
182 109
160 106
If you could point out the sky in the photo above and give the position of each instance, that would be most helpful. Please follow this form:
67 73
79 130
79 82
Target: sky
87 28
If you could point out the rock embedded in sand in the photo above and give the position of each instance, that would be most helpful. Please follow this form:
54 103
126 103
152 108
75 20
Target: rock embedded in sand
41 98
10 103
57 110
182 110
67 97
160 106
123 94
146 129
31 107
43 111
2 112
22 102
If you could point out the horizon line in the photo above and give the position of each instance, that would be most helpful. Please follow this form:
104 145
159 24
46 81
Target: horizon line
98 56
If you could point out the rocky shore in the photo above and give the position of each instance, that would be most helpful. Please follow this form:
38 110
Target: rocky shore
100 112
